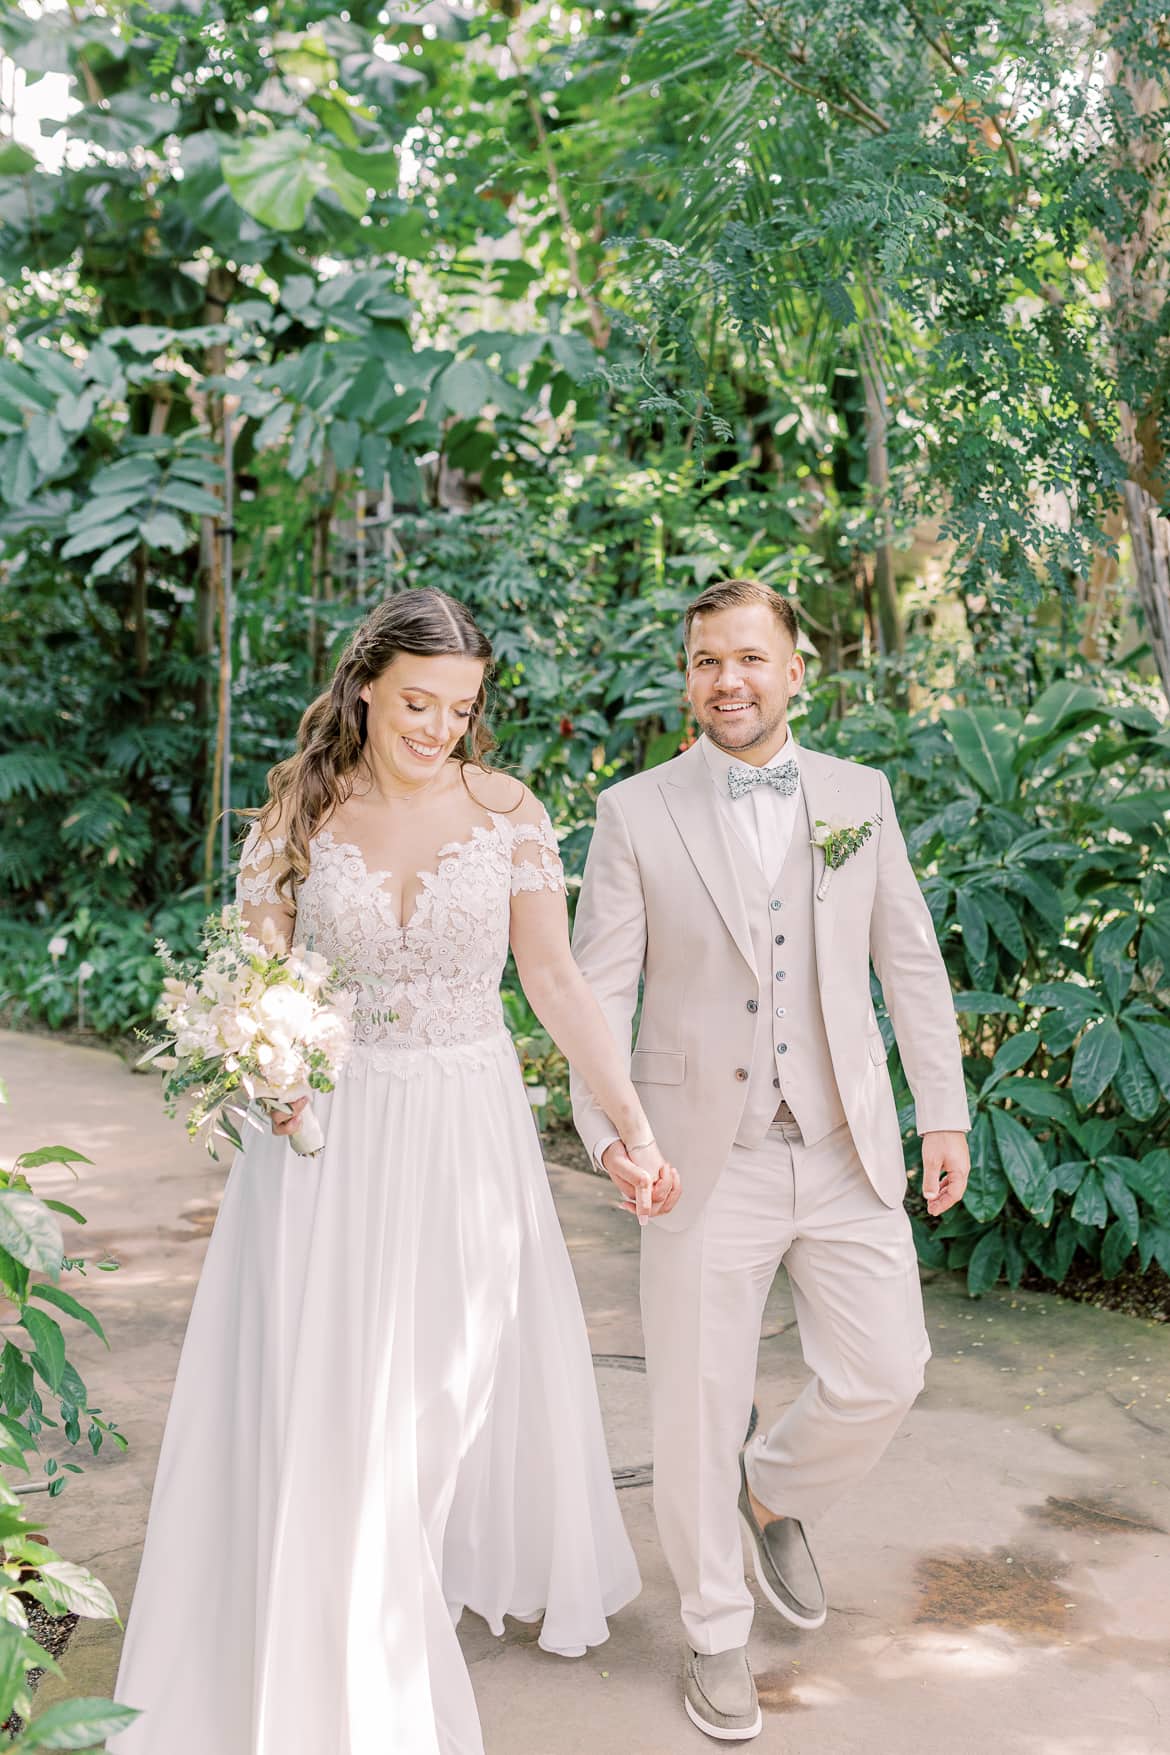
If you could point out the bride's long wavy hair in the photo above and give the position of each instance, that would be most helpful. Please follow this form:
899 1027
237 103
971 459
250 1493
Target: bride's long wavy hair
308 787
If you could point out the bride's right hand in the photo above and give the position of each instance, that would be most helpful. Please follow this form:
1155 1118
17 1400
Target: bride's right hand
648 1185
287 1119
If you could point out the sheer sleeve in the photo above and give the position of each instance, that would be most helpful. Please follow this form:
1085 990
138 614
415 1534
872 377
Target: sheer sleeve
536 859
262 863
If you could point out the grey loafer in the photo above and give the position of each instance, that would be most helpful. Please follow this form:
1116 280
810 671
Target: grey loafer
720 1695
785 1569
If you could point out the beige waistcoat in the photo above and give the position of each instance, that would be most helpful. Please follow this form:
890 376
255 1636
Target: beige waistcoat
792 1061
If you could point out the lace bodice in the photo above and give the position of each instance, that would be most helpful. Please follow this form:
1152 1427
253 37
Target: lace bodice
439 974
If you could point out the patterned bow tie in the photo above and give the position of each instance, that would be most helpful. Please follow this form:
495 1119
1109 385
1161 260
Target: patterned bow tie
782 779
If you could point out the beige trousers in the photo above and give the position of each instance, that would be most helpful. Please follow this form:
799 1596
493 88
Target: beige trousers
854 1277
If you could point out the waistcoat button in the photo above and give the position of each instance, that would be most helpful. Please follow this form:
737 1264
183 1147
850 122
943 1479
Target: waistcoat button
776 1084
780 975
777 905
782 1048
779 938
741 1073
753 1005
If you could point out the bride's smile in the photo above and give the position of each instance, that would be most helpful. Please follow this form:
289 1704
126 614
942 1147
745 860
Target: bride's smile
417 714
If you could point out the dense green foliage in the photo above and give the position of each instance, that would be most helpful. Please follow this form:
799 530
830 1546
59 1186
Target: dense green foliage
32 1265
1048 879
569 310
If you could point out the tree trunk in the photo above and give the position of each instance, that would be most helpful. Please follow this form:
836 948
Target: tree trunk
138 614
221 284
1149 535
1101 592
877 469
322 565
139 601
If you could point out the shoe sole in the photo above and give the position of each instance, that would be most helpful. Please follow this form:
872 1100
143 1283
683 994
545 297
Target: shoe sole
781 1607
724 1736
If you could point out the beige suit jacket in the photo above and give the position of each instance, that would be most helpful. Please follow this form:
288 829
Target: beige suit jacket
661 906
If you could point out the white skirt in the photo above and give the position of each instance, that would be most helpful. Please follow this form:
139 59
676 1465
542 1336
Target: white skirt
385 1411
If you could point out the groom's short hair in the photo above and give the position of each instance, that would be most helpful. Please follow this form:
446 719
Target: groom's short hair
739 594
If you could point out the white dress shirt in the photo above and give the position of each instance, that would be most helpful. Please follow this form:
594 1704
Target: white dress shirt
762 819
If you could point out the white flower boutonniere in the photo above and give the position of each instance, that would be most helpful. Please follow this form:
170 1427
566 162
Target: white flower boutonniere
838 842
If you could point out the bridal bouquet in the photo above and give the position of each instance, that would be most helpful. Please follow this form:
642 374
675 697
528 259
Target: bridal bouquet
251 1023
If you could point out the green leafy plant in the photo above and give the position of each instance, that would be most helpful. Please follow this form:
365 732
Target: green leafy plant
1048 880
35 1581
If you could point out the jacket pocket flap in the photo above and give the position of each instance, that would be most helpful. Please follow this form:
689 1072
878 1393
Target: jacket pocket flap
656 1066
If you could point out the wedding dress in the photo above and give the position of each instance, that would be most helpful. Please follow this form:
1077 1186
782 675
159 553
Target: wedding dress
385 1408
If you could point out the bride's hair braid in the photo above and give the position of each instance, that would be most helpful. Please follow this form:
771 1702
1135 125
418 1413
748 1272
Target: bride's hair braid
304 790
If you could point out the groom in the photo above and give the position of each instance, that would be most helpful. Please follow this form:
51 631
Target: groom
761 1067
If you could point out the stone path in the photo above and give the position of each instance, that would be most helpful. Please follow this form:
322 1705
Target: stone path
1000 1583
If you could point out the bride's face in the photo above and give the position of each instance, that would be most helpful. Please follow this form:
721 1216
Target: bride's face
419 709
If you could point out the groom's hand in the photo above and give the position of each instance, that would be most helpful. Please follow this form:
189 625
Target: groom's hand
647 1184
946 1165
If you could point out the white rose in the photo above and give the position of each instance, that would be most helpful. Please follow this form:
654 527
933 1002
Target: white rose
285 1072
284 1009
229 1028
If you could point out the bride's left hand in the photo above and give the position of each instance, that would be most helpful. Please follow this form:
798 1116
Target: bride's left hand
666 1187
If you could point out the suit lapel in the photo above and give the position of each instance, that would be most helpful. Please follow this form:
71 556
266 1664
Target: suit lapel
822 795
689 795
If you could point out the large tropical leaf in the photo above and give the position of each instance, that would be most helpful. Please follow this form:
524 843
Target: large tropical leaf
1097 1058
1023 1162
76 1724
1064 708
985 740
275 176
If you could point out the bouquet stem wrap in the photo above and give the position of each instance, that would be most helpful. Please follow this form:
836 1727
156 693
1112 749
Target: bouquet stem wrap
309 1137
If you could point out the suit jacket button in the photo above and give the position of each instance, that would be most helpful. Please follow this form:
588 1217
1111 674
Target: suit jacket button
741 1073
753 1005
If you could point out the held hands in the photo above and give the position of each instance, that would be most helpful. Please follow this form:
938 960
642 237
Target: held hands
648 1185
946 1165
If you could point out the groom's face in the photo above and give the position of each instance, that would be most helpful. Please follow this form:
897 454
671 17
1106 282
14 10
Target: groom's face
742 672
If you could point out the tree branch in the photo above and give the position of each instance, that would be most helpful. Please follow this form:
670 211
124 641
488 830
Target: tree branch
857 105
945 55
597 321
808 90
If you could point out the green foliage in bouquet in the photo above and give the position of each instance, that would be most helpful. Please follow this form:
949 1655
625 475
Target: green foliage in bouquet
37 1586
1048 880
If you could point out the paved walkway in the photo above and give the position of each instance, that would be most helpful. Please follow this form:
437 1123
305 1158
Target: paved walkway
1001 1582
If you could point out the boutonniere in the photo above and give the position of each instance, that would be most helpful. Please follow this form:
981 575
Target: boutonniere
839 841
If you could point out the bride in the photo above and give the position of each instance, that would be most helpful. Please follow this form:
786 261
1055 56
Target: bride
385 1409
